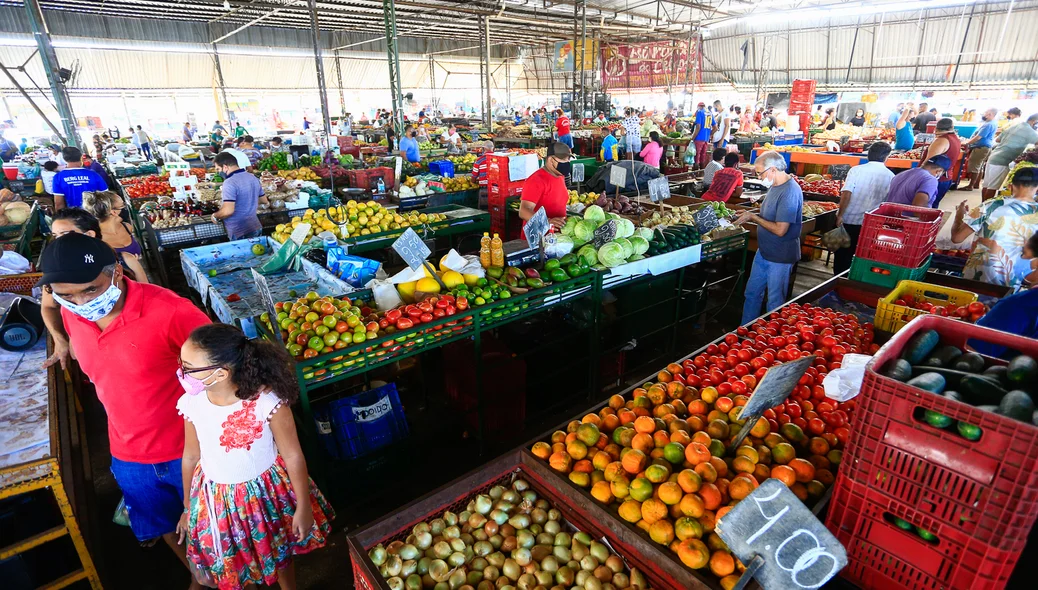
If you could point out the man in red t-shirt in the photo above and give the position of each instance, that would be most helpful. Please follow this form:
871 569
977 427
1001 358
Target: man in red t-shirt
562 128
547 187
127 338
727 181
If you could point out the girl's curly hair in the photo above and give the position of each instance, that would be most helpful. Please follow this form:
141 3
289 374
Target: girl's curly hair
255 365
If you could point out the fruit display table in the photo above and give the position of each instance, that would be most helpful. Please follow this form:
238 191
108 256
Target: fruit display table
222 276
459 220
802 159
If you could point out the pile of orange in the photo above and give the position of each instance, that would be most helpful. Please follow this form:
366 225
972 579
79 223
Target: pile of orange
660 459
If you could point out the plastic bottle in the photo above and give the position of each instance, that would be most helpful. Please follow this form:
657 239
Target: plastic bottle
381 187
497 251
484 250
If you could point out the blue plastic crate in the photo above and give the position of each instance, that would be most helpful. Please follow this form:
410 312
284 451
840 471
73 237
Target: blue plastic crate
444 168
357 425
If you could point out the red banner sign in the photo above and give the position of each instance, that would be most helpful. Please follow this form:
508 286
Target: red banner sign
649 65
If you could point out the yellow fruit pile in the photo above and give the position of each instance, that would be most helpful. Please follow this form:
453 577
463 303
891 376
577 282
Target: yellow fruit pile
428 284
586 198
303 173
459 183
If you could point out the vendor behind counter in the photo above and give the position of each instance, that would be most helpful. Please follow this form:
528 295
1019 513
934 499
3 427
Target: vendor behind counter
547 187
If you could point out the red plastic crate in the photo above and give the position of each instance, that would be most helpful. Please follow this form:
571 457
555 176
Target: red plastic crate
986 489
897 234
497 168
883 556
799 108
804 86
367 178
802 97
504 189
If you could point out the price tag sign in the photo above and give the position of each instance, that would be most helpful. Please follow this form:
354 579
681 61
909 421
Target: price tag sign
605 233
412 249
782 543
839 171
265 294
705 219
577 175
618 176
776 385
659 189
535 228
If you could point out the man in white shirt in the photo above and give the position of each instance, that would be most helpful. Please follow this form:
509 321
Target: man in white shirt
145 141
632 127
723 121
451 139
865 188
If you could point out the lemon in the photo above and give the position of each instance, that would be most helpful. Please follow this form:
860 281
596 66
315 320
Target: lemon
406 291
452 279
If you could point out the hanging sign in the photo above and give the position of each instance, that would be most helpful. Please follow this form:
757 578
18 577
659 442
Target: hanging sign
618 176
536 227
605 233
776 385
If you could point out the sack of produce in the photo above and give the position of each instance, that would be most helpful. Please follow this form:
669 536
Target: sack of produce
836 239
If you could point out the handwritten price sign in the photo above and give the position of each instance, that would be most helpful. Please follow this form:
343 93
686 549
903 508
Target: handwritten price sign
782 543
411 249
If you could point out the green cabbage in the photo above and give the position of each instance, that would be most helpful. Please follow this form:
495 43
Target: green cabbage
644 232
627 247
584 230
571 222
564 239
611 254
640 244
613 216
624 228
636 257
596 214
588 254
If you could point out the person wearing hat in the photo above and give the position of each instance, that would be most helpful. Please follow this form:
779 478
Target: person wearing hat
918 186
1002 227
547 187
946 142
127 337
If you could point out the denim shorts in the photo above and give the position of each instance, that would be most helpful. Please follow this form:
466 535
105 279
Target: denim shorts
154 495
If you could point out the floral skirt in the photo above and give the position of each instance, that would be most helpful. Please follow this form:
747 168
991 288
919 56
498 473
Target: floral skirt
242 533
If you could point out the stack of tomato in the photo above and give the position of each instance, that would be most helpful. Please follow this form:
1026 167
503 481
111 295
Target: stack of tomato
792 332
147 186
970 313
830 188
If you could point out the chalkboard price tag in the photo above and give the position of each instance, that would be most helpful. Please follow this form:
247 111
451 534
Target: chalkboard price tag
411 249
605 233
705 219
782 543
618 176
659 189
839 171
776 385
577 175
535 228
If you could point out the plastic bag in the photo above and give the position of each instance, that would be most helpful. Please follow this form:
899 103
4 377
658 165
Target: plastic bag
843 384
690 156
385 293
836 239
354 270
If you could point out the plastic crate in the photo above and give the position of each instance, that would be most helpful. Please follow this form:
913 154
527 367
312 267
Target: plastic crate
443 168
367 179
884 556
899 234
891 317
804 86
987 489
357 425
864 270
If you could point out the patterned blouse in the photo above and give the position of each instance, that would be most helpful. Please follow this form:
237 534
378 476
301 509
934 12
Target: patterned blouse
1002 227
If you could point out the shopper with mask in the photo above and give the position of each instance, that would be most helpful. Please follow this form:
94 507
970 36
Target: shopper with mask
127 337
409 146
946 142
778 235
982 140
242 193
547 187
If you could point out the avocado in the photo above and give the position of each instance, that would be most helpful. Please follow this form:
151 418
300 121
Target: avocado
1017 405
559 275
1022 370
920 346
534 283
567 259
932 382
554 263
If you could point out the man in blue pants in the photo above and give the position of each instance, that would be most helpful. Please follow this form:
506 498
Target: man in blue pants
778 236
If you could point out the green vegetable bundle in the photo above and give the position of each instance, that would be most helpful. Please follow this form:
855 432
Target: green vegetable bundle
275 161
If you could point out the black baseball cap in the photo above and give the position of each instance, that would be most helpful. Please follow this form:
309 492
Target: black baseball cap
559 150
74 258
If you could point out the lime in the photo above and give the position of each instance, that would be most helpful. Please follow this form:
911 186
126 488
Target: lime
212 272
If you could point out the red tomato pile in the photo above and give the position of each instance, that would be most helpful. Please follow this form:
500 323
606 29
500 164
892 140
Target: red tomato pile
970 313
829 188
147 186
737 364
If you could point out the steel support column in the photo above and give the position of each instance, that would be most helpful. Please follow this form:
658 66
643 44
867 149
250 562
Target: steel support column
393 54
484 72
432 83
338 78
579 100
50 65
321 84
223 88
27 97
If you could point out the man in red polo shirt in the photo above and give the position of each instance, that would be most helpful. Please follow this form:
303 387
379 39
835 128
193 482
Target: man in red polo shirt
127 338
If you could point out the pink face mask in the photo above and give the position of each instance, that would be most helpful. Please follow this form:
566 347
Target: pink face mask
192 385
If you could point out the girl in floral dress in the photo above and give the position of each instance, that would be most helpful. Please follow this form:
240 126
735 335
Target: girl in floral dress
249 504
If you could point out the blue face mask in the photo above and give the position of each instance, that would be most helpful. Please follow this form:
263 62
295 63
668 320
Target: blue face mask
97 307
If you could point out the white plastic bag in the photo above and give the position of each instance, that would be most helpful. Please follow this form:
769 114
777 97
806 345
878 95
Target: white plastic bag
385 293
843 384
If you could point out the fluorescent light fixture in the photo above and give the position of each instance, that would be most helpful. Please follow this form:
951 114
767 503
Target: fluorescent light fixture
226 5
837 10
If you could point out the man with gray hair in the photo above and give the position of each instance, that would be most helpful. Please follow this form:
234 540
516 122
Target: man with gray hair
778 236
982 140
127 337
1011 143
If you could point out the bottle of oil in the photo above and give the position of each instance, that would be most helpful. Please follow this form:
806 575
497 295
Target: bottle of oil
497 251
484 250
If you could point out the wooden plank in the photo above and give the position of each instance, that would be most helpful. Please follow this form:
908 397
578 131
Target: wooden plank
66 580
33 541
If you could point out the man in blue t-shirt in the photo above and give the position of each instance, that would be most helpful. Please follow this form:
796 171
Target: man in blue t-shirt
701 135
983 140
74 180
778 236
409 146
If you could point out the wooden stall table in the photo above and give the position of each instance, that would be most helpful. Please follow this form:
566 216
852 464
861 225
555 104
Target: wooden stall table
802 159
41 448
